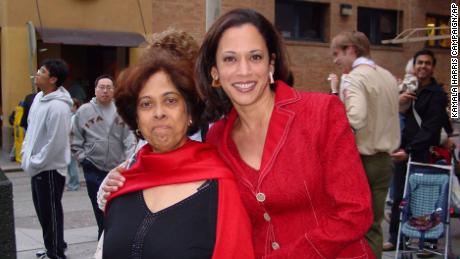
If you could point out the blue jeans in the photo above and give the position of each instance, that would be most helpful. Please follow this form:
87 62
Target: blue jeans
94 178
74 181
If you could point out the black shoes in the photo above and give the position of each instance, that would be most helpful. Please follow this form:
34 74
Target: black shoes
40 253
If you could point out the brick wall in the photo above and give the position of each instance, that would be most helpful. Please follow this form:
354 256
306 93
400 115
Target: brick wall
311 62
189 15
266 7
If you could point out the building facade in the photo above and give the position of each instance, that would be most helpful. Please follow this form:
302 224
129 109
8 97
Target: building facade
100 36
93 36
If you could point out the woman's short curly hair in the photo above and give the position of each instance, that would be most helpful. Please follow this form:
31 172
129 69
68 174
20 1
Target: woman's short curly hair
173 52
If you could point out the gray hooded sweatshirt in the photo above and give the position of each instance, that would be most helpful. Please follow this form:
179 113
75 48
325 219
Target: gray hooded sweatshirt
46 145
104 143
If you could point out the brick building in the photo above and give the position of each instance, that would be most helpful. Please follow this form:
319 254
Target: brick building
100 36
309 26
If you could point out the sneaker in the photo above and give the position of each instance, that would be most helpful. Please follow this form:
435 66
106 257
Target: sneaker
388 246
40 253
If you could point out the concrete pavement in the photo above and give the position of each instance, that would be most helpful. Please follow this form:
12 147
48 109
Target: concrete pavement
80 229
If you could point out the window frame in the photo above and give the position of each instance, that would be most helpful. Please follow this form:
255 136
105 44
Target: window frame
437 18
375 33
298 5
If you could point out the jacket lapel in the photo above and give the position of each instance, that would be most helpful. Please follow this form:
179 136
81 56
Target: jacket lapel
278 129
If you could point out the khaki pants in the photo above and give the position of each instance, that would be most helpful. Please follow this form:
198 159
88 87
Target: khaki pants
379 169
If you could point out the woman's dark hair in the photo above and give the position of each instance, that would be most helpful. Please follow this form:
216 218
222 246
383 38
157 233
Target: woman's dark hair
217 102
176 60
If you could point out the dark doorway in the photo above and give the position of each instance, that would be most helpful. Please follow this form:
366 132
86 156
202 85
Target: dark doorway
86 63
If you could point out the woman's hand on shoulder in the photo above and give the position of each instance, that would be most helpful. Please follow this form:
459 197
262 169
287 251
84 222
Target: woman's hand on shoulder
112 182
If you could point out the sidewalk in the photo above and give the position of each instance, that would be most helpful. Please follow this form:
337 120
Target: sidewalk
80 229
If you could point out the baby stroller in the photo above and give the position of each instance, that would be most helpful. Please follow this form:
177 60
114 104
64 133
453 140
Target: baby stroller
425 208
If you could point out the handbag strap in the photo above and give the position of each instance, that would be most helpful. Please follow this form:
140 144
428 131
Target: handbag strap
443 133
417 117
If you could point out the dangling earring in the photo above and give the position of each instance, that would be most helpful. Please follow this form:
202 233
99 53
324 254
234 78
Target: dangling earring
190 122
270 75
215 82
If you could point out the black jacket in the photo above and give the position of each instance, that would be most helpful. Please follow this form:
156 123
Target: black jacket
431 106
28 100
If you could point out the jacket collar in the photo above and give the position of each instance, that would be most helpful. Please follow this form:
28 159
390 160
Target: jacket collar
285 94
278 129
363 61
433 86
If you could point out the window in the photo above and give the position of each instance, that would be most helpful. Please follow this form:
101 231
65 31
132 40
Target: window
433 21
300 20
377 24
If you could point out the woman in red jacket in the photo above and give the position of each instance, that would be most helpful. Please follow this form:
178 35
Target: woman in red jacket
293 154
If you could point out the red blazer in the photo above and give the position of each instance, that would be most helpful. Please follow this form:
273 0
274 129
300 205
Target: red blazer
310 198
193 162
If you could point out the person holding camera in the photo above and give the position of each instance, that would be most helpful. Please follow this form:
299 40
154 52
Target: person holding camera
424 110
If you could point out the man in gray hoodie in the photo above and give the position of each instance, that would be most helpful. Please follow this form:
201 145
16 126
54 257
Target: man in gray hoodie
46 152
100 140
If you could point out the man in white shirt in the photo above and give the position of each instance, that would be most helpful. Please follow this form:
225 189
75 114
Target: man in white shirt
370 96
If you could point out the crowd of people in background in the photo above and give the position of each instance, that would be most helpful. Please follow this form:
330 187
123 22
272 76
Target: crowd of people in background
307 174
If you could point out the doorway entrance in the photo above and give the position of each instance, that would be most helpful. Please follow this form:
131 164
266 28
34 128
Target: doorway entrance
85 63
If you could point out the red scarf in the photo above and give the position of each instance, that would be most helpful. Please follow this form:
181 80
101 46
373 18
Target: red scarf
192 162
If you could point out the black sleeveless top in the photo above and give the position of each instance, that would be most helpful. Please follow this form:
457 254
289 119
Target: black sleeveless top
186 229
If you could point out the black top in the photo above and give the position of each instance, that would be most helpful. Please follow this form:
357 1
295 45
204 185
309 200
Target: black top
28 100
431 106
186 229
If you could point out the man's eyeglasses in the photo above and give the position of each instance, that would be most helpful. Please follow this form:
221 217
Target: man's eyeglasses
41 71
105 87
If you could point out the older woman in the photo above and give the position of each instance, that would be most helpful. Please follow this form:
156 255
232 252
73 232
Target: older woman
180 200
293 154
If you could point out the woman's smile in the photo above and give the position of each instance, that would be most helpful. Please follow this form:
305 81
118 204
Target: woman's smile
245 87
